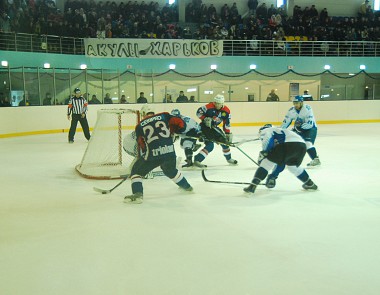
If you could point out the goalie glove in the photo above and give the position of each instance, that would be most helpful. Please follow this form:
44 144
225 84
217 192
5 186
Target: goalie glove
229 137
208 122
262 156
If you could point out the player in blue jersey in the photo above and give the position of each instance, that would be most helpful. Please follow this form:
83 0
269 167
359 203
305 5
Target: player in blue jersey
212 115
304 125
155 148
281 147
188 137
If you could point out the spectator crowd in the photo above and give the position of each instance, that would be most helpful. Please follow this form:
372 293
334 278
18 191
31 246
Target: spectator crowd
137 19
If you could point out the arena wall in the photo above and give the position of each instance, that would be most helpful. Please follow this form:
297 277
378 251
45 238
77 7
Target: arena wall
22 121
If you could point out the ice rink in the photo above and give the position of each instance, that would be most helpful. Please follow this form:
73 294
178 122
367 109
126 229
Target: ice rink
58 236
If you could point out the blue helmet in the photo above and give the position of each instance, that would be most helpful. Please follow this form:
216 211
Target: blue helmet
298 98
176 112
265 127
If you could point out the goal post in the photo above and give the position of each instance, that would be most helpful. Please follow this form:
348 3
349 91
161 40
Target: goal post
105 157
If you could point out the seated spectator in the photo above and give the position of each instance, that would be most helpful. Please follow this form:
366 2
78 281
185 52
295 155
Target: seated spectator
192 98
107 99
272 96
182 97
94 100
141 98
4 101
47 100
123 99
167 98
306 96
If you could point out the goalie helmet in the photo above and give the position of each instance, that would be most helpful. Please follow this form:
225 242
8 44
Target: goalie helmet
146 109
219 99
298 98
176 112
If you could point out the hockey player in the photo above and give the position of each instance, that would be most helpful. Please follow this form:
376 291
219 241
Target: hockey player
155 147
212 115
281 147
304 125
188 137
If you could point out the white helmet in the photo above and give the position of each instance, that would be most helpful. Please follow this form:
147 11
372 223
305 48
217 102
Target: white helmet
219 98
146 109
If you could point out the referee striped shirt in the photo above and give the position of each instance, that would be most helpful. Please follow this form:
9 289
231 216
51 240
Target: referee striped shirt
77 105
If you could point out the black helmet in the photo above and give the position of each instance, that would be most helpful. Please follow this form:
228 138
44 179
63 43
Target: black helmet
77 90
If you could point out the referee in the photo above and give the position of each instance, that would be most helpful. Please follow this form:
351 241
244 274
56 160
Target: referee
77 109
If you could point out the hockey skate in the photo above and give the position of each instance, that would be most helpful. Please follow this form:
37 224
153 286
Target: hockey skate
232 161
250 189
314 163
189 163
309 185
199 164
271 181
187 189
136 198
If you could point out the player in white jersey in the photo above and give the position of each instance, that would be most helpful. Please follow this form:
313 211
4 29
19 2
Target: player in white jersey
304 125
281 147
188 137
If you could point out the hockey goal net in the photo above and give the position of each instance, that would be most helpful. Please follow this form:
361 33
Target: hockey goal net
112 147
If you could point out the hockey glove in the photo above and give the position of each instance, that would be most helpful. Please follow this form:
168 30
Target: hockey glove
262 156
229 137
297 129
208 122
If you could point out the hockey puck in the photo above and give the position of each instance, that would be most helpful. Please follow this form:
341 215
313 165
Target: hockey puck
104 193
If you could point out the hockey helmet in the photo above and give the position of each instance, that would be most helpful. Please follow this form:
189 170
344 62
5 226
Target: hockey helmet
146 109
265 127
219 99
77 90
298 98
176 112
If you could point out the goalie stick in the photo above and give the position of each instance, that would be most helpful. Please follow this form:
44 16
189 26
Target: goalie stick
221 181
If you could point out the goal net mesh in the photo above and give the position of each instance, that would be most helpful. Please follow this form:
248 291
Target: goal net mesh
112 147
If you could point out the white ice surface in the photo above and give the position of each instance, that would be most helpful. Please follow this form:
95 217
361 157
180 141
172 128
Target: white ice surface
58 236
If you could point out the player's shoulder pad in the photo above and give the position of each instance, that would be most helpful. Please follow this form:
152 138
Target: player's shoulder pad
210 105
226 109
308 107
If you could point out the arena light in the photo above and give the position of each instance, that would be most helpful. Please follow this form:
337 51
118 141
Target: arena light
83 66
327 67
362 67
46 65
213 67
252 67
172 66
4 63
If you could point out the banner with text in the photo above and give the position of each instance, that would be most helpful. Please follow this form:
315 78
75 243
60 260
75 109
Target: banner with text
148 48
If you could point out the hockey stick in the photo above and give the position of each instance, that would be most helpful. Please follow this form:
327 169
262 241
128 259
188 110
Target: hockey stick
247 155
108 191
228 182
232 144
150 175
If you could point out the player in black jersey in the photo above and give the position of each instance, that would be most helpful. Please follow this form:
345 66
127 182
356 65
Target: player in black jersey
156 148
